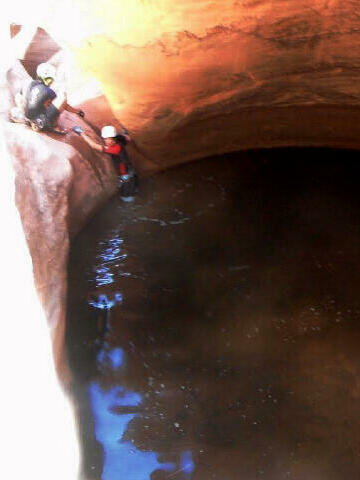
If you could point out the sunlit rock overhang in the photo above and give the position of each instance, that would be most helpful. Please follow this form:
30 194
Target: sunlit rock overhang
193 79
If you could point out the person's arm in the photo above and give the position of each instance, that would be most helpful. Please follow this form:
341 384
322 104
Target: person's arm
71 109
125 134
92 143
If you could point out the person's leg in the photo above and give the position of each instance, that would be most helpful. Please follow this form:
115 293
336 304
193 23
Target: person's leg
45 121
54 111
127 190
38 124
52 115
128 181
50 119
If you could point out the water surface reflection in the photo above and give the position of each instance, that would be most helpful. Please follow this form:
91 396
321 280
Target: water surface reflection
228 296
113 409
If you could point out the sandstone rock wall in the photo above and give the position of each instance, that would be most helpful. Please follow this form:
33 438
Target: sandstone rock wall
33 403
32 400
189 80
60 184
194 79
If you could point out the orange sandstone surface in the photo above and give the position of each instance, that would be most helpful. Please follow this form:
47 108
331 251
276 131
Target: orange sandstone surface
193 79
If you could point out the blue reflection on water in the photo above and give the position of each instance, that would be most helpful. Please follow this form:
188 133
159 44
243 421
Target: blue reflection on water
112 359
104 276
187 465
122 459
111 252
104 302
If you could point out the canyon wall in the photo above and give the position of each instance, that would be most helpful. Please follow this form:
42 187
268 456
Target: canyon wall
33 405
194 79
38 427
60 183
189 80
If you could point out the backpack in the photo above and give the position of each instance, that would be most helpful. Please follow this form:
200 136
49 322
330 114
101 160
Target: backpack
37 93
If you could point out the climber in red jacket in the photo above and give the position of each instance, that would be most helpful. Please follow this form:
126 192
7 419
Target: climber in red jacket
115 145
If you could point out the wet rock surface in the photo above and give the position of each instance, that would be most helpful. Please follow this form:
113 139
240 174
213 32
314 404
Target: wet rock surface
60 184
230 303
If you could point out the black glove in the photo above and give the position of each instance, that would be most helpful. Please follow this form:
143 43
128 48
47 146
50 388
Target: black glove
77 130
81 113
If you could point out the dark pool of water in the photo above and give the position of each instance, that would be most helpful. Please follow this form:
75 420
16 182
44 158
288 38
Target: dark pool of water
213 325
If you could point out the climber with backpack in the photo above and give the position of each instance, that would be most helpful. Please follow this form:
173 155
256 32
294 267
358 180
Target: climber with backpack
40 106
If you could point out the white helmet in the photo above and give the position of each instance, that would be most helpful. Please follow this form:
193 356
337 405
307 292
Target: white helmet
46 70
108 131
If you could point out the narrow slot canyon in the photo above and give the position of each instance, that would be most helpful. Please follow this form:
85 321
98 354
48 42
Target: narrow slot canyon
208 329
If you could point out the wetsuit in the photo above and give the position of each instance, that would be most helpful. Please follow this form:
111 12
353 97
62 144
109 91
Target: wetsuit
123 167
36 94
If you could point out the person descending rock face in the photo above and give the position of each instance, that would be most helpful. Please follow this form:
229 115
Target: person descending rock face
38 104
115 145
